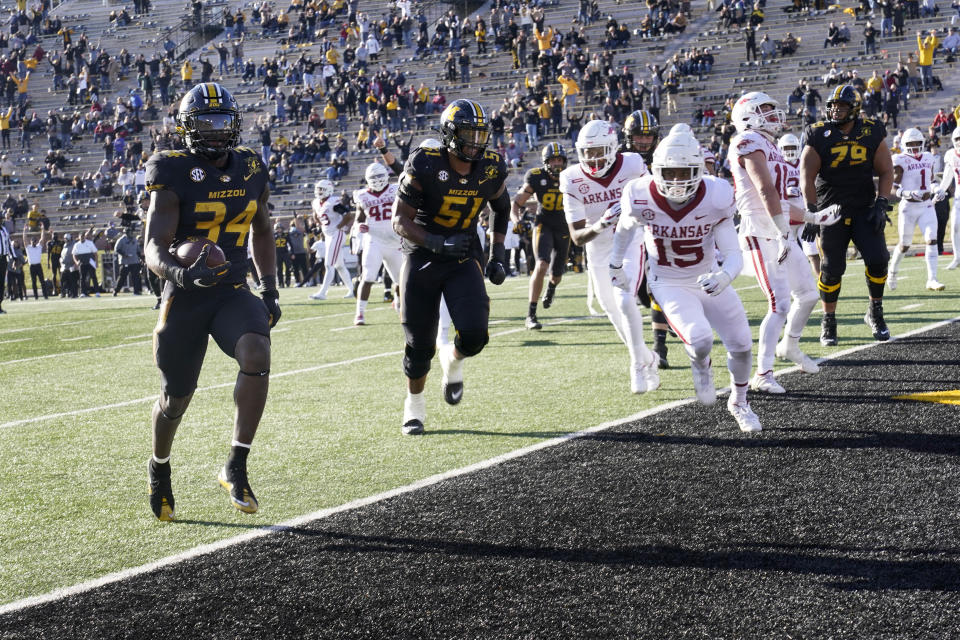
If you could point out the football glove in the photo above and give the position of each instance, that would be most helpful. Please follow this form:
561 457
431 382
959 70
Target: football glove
783 248
810 232
793 192
496 271
877 215
714 283
940 196
609 217
199 275
618 278
826 217
455 246
270 295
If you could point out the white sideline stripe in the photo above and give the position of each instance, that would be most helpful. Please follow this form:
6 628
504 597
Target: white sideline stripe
17 340
125 574
68 324
142 335
71 353
75 339
912 306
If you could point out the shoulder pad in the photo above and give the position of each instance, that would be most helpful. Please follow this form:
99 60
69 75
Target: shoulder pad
245 149
817 125
172 153
719 193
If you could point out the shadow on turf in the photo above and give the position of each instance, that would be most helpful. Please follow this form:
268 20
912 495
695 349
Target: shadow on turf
850 573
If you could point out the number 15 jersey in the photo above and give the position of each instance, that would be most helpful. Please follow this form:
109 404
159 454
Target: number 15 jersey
846 162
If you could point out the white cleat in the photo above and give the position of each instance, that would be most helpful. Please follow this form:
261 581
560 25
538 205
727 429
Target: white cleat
319 295
746 419
452 382
953 264
892 281
935 285
349 294
796 356
359 321
644 378
703 382
766 383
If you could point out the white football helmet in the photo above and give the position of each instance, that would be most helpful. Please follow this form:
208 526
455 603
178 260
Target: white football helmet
748 114
678 152
431 143
323 189
597 145
912 142
680 128
956 139
377 177
789 146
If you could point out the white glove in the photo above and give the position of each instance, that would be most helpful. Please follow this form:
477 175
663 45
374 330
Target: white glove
714 283
826 217
940 196
793 192
783 248
609 217
618 278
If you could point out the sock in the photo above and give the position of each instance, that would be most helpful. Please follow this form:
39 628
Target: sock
238 453
414 407
931 256
533 309
739 393
157 460
551 288
361 305
895 260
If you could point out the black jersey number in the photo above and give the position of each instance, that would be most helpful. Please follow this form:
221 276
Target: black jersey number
239 225
454 211
853 154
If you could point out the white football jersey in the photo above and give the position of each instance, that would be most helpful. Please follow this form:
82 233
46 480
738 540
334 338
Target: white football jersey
586 198
917 172
378 209
951 172
754 220
329 218
679 242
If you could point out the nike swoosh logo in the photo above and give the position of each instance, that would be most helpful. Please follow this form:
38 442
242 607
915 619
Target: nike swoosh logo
424 266
699 217
456 394
199 283
241 503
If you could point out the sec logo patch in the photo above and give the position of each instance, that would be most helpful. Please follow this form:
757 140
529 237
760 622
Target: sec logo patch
197 174
443 176
584 188
647 214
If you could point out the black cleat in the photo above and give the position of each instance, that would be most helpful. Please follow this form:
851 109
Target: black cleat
660 348
412 427
874 320
828 330
233 478
160 491
533 323
548 296
388 296
453 392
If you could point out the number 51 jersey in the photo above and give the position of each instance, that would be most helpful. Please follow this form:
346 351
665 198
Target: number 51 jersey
451 202
218 204
846 162
679 242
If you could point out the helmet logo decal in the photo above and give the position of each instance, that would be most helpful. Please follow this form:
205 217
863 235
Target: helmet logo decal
197 174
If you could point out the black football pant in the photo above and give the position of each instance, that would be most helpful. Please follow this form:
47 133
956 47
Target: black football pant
36 273
834 241
283 269
55 276
300 267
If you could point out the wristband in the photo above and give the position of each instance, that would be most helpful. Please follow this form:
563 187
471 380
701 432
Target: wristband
812 207
268 283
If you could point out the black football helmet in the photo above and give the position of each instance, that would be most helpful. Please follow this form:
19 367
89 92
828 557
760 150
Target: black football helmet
641 123
209 120
553 150
845 93
465 129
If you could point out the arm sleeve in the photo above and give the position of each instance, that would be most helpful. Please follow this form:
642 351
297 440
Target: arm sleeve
726 238
501 212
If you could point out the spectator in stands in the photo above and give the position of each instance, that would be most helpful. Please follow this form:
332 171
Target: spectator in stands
7 169
869 39
811 98
796 97
750 35
898 18
767 48
941 123
926 46
952 42
833 36
891 108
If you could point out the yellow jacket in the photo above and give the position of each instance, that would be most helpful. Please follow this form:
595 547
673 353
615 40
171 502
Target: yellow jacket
21 84
926 47
186 71
570 86
330 112
543 38
5 119
333 56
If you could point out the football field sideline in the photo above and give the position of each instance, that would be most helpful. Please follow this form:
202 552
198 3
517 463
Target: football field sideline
299 521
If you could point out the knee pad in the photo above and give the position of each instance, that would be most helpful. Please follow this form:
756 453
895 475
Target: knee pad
829 286
876 273
471 342
700 349
416 362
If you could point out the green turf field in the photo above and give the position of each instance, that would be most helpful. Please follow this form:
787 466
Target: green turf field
78 384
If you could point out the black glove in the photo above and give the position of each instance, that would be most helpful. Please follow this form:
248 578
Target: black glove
455 246
496 271
810 232
199 275
878 214
270 295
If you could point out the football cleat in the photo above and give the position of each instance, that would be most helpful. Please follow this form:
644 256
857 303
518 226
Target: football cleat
233 478
660 348
319 295
892 281
746 419
548 296
349 294
452 381
935 285
874 319
414 413
160 491
388 296
828 330
358 321
533 323
766 383
644 378
792 352
703 382
412 427
953 264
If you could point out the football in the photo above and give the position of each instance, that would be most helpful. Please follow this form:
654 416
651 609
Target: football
189 250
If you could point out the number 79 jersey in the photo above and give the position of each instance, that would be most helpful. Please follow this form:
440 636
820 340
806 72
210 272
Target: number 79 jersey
679 242
214 203
452 202
846 162
377 209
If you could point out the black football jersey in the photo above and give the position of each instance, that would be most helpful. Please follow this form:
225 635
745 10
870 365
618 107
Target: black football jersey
546 188
54 249
846 162
218 204
281 240
451 202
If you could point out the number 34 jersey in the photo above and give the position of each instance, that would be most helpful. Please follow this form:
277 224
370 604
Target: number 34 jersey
452 202
218 204
378 213
679 242
846 162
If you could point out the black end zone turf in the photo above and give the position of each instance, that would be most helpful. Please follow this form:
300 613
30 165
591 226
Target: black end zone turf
840 520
